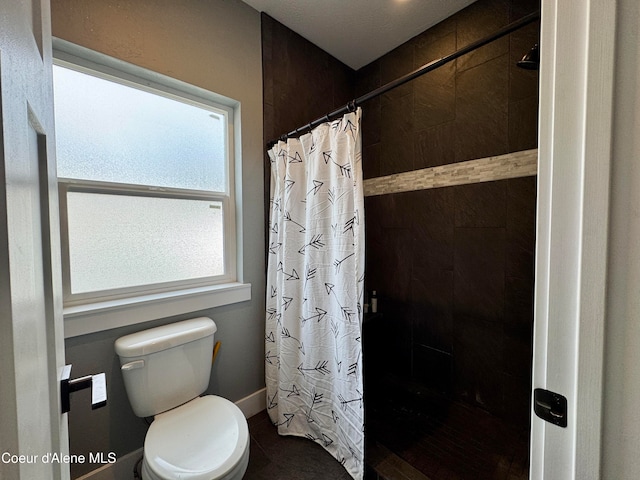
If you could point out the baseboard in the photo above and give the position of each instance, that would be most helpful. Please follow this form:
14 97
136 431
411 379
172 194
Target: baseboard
122 469
254 403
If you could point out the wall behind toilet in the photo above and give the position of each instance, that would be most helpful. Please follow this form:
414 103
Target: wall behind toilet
216 46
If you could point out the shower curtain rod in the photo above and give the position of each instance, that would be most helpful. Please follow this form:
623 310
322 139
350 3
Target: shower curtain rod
353 104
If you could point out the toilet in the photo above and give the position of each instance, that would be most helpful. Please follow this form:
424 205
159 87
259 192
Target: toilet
192 437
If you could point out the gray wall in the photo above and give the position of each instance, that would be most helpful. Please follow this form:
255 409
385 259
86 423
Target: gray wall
214 45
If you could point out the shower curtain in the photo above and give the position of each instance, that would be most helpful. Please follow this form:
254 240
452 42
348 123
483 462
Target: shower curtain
315 287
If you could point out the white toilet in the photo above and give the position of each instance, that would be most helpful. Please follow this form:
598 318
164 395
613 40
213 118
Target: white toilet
165 370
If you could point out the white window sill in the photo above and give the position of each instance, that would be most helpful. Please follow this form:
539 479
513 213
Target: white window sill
95 317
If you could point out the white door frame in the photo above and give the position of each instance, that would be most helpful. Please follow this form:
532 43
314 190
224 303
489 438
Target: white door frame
31 323
576 95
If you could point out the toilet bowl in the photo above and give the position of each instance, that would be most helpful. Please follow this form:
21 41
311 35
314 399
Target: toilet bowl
204 439
192 437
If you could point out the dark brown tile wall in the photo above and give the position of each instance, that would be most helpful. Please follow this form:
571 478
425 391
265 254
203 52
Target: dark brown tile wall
453 267
479 105
301 82
453 270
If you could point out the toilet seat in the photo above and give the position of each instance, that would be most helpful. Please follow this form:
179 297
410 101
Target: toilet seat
204 439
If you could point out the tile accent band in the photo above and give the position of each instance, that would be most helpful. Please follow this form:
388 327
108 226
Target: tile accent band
500 167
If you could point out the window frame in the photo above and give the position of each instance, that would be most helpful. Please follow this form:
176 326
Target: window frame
96 311
66 185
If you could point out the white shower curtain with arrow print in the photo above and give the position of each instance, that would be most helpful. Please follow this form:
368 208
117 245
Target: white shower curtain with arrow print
315 286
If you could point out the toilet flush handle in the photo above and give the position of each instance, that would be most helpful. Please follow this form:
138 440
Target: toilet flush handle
132 365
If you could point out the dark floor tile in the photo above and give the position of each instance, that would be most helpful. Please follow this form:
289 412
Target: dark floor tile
258 461
441 438
258 420
276 471
273 456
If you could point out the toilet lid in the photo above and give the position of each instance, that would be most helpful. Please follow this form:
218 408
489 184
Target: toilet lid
200 440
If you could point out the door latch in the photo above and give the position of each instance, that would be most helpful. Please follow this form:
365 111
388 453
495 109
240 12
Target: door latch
97 383
550 406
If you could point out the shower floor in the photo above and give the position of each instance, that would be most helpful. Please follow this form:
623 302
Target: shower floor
416 434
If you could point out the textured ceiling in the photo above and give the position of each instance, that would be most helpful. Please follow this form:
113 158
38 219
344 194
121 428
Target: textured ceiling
357 32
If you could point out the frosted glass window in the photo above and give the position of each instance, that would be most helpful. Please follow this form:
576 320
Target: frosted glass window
111 132
146 183
119 241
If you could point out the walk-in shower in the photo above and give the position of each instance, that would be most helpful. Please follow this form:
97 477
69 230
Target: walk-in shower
447 361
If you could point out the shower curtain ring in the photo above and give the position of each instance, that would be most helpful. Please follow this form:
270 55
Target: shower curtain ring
351 106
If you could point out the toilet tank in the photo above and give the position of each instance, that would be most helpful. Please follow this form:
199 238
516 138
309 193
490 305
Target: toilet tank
166 366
